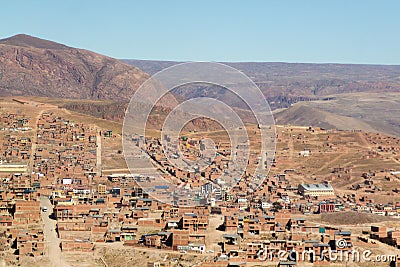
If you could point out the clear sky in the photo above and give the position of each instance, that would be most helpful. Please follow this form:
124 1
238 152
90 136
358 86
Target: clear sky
344 31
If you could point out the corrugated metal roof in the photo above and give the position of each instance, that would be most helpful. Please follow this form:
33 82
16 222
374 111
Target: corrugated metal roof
317 187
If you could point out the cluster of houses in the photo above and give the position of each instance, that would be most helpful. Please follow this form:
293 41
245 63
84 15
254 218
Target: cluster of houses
385 235
64 150
16 147
65 168
90 208
20 228
14 122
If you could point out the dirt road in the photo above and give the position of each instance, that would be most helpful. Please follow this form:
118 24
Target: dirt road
52 250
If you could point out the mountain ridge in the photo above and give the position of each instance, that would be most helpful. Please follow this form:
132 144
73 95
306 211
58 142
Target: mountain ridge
30 66
25 40
38 67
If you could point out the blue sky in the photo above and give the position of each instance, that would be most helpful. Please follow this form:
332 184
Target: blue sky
343 31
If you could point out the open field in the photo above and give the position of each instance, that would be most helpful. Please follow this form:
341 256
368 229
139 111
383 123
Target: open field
358 111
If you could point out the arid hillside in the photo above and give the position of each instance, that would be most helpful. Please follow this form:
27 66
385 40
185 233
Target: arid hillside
30 66
370 112
341 96
286 83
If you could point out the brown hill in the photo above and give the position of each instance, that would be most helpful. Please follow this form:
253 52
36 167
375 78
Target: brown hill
343 96
33 66
286 83
30 41
301 114
370 112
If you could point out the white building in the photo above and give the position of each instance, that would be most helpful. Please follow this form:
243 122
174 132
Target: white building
316 190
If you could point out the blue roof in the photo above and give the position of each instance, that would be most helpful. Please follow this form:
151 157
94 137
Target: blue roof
161 187
343 233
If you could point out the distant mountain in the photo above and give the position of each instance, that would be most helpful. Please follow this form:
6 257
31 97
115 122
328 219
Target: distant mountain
328 95
25 40
150 66
370 112
301 114
342 96
286 83
37 67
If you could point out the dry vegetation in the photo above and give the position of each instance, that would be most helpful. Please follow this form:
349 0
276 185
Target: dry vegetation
349 218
